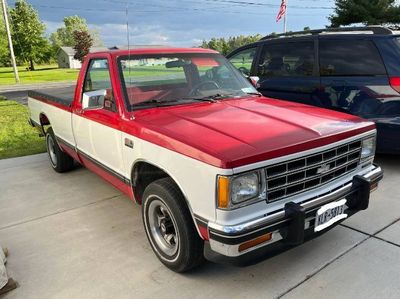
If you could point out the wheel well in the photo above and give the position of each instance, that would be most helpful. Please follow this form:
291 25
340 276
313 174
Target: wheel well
44 121
143 174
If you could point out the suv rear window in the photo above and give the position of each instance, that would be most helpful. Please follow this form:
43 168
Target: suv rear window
350 58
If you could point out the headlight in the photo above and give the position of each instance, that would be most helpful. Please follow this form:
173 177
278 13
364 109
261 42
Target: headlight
245 187
232 191
368 147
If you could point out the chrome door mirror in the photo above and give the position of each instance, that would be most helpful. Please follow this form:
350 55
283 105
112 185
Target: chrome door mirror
93 99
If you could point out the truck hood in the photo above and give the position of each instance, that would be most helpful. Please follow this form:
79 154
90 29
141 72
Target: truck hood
236 132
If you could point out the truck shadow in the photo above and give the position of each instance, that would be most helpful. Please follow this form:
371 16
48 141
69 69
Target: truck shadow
386 160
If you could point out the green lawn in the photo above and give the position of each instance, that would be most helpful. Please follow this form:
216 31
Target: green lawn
43 73
17 137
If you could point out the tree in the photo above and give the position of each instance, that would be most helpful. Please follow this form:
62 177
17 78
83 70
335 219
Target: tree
367 12
83 43
226 46
28 31
64 36
4 52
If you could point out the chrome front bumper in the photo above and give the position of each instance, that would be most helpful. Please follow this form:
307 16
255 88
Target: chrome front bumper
289 224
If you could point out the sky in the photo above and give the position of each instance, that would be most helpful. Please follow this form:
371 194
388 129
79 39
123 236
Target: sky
181 22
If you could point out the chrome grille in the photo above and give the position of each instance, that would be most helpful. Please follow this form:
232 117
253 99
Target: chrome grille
299 175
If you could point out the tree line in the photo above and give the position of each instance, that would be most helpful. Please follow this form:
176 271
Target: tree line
31 45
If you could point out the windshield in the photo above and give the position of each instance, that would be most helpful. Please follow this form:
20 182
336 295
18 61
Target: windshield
173 79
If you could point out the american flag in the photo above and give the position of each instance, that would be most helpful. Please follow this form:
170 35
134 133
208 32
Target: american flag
282 11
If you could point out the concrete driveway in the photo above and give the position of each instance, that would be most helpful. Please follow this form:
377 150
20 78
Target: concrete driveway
73 236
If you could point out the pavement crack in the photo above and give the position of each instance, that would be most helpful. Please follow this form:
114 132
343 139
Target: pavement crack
374 235
58 212
369 236
309 276
356 230
389 242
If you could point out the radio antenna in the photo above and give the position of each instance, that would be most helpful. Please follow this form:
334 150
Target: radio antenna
128 39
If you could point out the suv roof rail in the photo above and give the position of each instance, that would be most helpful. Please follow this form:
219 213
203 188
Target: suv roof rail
374 29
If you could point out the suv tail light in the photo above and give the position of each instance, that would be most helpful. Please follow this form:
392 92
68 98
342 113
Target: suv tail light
395 83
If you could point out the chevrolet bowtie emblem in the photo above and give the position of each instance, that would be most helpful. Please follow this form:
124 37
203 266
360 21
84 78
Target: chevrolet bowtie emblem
323 169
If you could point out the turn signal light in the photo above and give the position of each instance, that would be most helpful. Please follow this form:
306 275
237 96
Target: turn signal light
255 242
223 192
395 83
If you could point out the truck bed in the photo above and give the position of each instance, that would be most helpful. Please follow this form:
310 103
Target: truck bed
63 95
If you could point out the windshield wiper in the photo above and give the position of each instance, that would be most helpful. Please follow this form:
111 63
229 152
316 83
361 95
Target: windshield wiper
212 98
255 94
156 102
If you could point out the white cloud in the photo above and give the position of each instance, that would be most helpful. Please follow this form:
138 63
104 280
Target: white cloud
116 34
52 26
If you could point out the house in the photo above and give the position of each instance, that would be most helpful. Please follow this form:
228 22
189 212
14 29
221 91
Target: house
132 47
65 57
66 60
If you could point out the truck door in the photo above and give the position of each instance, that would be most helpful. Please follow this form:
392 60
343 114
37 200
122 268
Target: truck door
96 121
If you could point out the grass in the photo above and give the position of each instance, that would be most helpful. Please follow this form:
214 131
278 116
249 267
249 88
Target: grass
17 137
43 73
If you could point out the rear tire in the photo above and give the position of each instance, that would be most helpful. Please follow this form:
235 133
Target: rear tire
60 161
169 226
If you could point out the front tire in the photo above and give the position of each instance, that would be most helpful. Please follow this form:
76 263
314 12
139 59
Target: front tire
169 226
60 161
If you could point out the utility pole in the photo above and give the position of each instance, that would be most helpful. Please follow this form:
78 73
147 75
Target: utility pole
284 18
10 41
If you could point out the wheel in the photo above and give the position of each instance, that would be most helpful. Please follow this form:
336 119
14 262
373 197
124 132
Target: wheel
60 161
169 226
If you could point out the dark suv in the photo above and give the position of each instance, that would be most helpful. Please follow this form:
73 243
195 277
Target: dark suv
354 70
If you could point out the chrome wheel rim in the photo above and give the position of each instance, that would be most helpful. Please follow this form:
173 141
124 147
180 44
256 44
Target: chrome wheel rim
163 228
51 149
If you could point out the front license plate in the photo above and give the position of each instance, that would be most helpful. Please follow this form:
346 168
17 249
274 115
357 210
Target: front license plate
329 214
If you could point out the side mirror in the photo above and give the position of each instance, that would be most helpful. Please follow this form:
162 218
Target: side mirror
254 81
93 99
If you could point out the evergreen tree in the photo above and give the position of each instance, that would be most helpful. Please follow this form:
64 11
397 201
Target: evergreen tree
367 12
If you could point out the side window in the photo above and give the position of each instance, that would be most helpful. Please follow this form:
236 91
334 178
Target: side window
97 87
295 59
350 58
243 60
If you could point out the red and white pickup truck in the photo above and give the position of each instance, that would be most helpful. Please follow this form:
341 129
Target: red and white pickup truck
220 171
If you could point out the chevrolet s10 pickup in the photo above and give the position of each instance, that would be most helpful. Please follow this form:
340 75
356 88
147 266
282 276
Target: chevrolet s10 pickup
221 172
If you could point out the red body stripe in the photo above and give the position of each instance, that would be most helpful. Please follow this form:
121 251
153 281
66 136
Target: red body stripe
122 186
71 152
58 105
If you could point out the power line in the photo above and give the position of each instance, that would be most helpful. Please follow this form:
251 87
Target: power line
168 9
225 4
266 4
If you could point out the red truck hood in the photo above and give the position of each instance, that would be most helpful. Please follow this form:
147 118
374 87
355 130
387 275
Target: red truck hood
237 132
